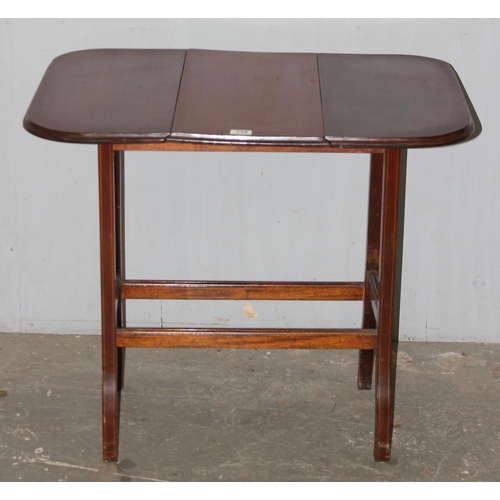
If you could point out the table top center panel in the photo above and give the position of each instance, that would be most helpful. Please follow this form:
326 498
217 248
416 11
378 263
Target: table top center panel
250 96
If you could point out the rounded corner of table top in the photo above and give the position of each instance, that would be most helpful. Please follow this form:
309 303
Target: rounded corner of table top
453 137
393 100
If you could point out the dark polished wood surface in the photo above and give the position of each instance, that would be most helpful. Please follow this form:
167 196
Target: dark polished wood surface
392 100
107 95
155 95
268 97
247 338
241 290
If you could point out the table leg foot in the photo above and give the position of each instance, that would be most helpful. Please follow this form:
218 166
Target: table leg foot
110 413
382 452
383 406
110 453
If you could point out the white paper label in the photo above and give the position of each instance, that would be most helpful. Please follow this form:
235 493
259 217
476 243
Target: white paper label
237 131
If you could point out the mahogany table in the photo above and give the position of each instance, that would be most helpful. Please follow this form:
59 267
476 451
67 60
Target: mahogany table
204 100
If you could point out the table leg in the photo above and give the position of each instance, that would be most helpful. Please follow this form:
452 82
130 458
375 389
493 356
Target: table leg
389 290
366 356
119 171
110 392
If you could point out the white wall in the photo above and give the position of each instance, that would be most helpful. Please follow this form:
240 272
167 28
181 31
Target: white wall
249 216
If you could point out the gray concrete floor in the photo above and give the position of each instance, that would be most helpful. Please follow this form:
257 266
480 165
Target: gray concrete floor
246 415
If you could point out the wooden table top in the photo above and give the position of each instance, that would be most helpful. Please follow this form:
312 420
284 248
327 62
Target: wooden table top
205 96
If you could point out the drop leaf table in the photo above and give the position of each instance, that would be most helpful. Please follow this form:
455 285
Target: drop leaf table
207 100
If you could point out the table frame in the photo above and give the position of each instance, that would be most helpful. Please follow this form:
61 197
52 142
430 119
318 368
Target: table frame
379 291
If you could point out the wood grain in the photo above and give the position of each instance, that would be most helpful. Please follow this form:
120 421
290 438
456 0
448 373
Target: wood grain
262 338
243 290
241 146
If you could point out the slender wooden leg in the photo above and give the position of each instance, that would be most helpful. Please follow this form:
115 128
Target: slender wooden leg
366 356
110 401
390 258
119 171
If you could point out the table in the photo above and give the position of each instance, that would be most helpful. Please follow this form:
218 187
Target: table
206 100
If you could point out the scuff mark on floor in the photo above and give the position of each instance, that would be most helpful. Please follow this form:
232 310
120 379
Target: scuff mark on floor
249 312
450 362
58 464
